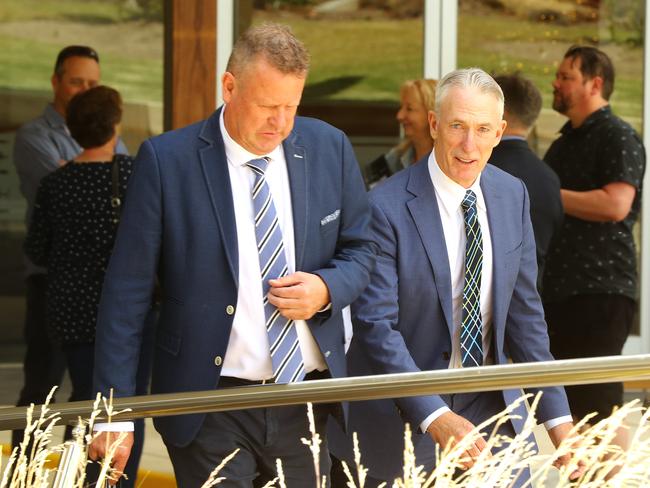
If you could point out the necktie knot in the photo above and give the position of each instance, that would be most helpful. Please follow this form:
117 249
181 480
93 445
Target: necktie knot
469 201
259 165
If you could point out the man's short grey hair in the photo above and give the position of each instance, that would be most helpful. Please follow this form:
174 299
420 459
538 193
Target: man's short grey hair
276 44
469 78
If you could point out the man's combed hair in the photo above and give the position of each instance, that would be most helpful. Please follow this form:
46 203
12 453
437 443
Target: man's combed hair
594 62
469 78
71 52
523 101
273 42
93 115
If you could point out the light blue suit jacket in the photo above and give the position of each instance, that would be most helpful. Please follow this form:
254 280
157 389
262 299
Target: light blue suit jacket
178 223
403 320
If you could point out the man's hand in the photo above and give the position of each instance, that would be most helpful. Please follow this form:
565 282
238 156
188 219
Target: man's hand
299 296
557 435
450 427
101 444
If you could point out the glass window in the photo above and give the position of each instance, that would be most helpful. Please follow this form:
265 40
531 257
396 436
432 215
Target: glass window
361 53
128 35
526 37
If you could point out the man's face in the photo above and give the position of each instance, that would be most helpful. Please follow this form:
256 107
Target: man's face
466 130
79 74
261 105
570 89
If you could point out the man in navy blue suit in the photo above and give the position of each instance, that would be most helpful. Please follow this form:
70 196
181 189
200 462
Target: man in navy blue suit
454 287
256 223
523 102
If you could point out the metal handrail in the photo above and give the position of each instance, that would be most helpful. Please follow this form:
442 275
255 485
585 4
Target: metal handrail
486 378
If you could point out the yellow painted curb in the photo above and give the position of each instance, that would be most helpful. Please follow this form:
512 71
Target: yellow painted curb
146 477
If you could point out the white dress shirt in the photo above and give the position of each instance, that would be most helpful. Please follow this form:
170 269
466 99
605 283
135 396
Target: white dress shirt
248 355
449 196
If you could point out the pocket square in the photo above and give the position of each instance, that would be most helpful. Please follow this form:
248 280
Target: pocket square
331 217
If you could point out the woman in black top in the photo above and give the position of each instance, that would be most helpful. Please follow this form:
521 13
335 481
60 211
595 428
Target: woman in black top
72 234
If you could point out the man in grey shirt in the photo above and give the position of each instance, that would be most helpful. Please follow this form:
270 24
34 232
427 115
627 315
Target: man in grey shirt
41 146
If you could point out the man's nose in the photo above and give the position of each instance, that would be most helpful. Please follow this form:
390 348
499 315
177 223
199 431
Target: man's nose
469 142
279 119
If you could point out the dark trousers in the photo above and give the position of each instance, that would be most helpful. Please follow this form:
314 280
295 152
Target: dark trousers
590 326
44 362
262 435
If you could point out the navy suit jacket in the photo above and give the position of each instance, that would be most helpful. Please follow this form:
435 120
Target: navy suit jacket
403 320
178 223
514 156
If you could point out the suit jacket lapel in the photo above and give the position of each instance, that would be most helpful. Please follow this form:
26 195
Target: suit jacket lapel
426 215
496 211
212 157
298 168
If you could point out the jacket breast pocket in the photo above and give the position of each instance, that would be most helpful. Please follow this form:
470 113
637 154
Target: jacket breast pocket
330 222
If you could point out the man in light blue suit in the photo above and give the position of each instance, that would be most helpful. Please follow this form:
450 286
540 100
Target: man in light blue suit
454 286
252 219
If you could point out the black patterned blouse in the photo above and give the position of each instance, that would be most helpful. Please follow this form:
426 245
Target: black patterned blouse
72 234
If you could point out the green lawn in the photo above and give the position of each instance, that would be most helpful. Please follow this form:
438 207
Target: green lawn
33 31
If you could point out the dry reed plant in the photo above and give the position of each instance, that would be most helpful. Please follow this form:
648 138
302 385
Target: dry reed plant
506 459
498 466
26 466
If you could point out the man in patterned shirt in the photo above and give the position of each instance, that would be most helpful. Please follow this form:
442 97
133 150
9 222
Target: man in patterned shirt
590 282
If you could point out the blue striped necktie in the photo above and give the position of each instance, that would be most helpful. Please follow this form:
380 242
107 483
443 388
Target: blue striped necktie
283 339
471 333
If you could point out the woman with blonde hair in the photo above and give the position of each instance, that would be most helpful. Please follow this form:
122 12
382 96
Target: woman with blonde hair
417 98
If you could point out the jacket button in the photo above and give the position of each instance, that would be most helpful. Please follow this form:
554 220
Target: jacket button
218 361
445 356
327 354
230 310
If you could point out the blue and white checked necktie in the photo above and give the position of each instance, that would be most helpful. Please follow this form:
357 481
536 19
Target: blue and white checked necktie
471 334
285 350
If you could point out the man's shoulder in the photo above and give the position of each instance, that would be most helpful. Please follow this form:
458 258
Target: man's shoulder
394 187
506 183
309 126
610 127
522 162
186 135
35 129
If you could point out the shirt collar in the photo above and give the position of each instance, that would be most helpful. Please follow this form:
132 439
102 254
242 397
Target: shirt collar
593 118
450 193
513 138
54 118
236 154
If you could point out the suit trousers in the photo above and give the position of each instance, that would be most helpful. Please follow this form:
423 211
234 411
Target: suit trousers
262 435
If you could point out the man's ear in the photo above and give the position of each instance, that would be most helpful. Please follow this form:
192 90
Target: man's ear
500 130
597 85
227 86
433 124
